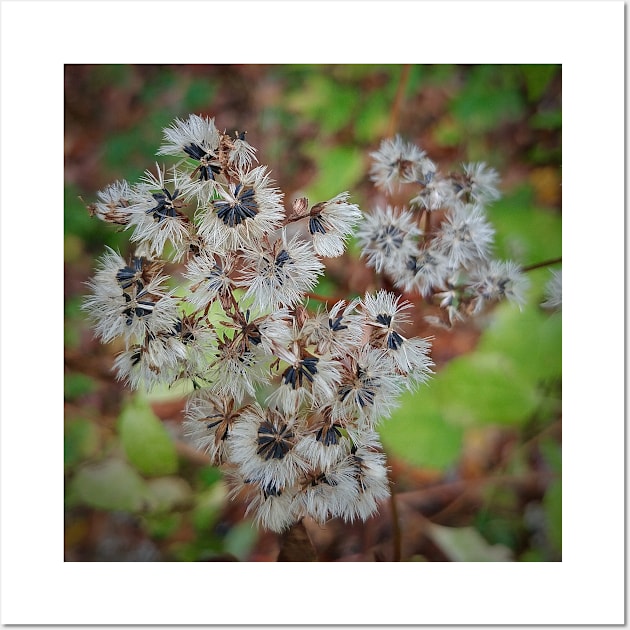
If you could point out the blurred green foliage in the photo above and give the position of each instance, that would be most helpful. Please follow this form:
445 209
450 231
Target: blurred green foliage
315 125
145 440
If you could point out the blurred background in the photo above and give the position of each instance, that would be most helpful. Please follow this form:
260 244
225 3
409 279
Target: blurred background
475 456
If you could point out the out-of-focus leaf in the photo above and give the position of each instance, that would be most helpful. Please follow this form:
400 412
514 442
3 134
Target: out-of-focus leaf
465 544
80 440
490 96
162 525
448 132
552 452
532 555
165 496
339 169
525 233
199 95
531 338
497 530
240 540
324 100
418 433
76 385
552 502
547 120
371 125
130 149
72 249
145 440
166 493
110 485
537 78
72 320
484 389
164 392
209 475
325 287
209 503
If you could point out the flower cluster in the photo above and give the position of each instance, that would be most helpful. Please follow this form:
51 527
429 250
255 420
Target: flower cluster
553 292
287 399
447 260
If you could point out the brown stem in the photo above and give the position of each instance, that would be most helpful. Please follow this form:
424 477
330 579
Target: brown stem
296 545
415 498
396 540
398 99
427 223
319 298
237 310
545 263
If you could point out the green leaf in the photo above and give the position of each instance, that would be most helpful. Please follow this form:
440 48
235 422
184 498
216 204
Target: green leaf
162 525
110 485
145 440
552 452
164 392
340 168
489 97
484 388
466 544
418 433
167 493
324 100
199 95
537 78
448 132
552 502
547 120
209 475
525 233
240 540
532 555
371 125
209 504
76 385
80 440
531 338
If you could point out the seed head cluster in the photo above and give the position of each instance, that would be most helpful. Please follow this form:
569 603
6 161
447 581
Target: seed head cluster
441 246
286 398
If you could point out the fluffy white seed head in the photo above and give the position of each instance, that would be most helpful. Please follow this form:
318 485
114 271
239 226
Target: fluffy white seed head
388 238
278 274
399 162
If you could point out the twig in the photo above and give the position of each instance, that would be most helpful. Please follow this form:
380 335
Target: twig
398 99
427 223
414 497
296 545
319 298
545 263
396 540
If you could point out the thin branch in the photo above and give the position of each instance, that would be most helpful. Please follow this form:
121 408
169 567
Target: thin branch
427 224
296 545
414 498
320 298
398 99
396 539
545 263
